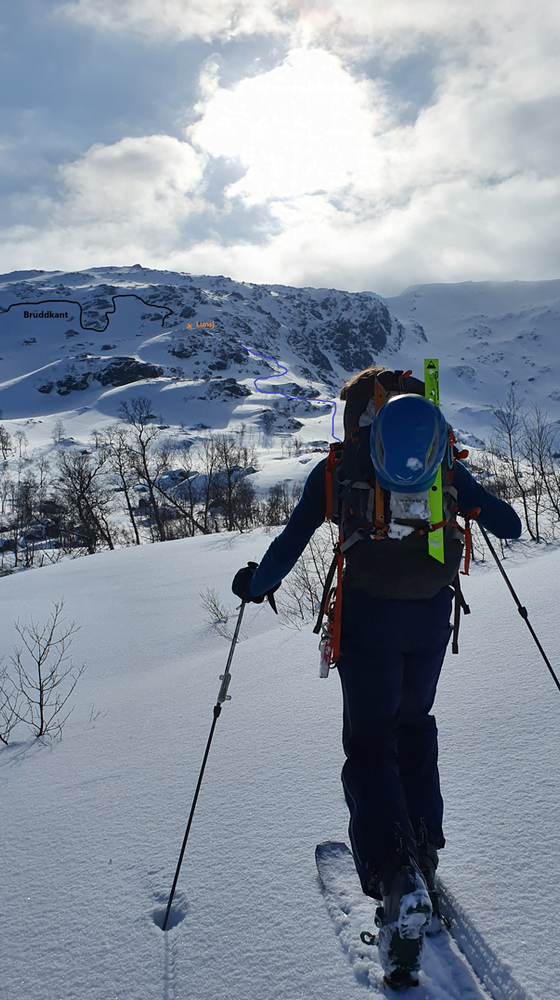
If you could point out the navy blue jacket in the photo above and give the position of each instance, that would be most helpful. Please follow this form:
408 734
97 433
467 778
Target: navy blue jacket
281 556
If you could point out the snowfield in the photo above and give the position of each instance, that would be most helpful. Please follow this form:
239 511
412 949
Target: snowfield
92 825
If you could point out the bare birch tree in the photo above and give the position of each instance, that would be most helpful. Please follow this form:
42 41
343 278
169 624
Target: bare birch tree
43 674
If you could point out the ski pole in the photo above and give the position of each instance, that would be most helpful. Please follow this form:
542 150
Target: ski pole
522 611
222 696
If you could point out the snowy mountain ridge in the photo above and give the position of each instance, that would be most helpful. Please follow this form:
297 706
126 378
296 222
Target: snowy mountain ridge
186 337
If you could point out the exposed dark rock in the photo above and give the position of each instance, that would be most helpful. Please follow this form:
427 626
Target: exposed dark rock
122 371
184 350
312 353
292 389
225 387
233 388
73 382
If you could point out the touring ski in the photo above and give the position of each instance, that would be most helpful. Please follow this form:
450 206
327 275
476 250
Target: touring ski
445 973
435 496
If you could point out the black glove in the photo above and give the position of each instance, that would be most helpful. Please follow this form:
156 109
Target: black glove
240 587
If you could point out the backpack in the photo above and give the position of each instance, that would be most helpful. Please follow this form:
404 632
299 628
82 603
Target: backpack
383 536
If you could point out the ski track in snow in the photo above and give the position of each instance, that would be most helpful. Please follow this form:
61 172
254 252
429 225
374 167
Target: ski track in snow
169 968
177 914
490 969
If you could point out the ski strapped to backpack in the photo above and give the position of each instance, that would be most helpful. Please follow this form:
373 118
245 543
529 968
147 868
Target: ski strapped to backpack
383 544
435 498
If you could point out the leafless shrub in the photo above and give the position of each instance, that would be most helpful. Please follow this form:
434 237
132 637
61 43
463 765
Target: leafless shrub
217 615
524 457
143 454
87 499
5 443
43 675
95 714
116 441
9 703
299 599
58 432
21 439
280 502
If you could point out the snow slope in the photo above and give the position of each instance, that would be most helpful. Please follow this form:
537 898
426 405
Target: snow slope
488 334
92 825
91 339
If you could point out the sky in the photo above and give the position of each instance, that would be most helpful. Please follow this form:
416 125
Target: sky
358 144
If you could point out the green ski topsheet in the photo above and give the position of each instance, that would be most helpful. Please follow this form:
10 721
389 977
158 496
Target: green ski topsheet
435 496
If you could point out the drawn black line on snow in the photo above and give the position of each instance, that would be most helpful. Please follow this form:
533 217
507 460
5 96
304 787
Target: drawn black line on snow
108 312
271 392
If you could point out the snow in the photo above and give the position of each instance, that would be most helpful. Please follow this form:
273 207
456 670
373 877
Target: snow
407 505
486 334
93 824
410 505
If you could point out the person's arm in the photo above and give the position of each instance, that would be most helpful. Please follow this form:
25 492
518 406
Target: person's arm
282 555
495 515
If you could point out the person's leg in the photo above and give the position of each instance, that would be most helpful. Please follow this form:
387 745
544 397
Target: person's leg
371 670
427 637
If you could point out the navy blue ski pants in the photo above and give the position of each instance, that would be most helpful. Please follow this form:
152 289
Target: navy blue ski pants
391 654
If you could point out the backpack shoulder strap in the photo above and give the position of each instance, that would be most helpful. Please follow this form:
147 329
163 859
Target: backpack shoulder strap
331 482
379 399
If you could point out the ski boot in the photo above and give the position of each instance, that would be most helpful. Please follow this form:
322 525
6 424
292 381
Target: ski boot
428 861
402 920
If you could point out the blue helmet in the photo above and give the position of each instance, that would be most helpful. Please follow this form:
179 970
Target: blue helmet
407 443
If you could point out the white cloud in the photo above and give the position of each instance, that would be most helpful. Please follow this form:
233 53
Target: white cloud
136 182
470 190
451 232
116 200
343 26
204 19
310 125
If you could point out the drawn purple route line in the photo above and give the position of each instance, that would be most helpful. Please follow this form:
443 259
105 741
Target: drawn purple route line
274 392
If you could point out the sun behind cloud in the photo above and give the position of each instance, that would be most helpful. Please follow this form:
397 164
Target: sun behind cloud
306 126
